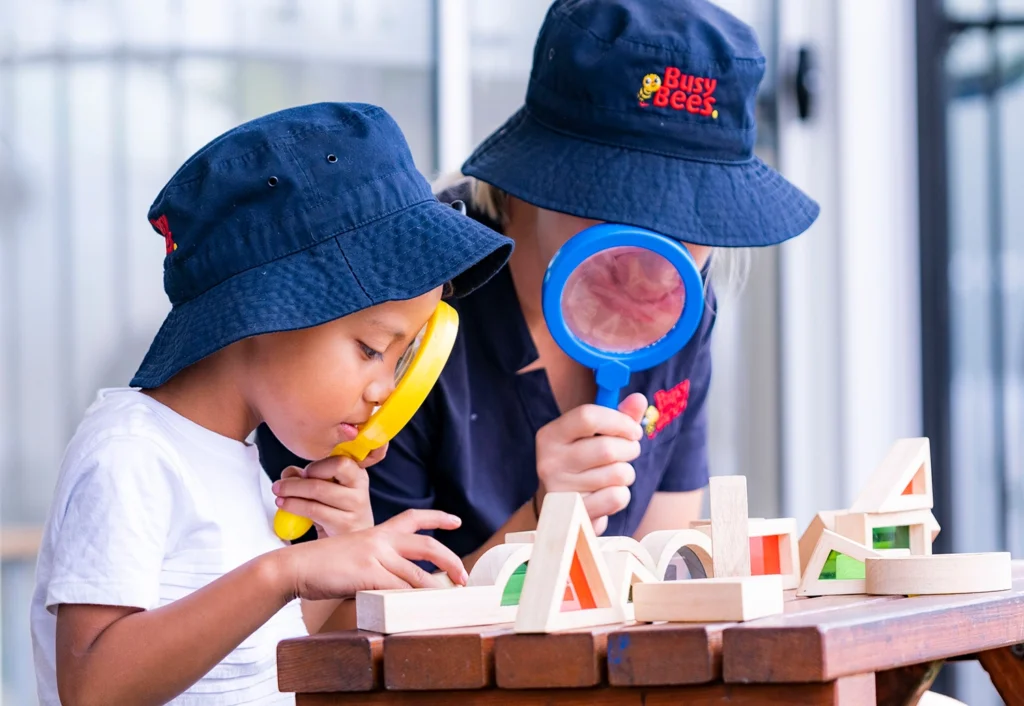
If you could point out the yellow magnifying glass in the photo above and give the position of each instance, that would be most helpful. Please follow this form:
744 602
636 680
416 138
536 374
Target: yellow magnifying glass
416 374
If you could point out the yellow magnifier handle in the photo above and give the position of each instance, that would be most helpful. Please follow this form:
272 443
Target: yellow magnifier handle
396 411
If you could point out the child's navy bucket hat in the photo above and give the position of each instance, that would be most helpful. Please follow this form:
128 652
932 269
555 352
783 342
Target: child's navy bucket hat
299 218
642 112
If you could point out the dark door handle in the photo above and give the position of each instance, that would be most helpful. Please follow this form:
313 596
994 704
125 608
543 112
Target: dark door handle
807 83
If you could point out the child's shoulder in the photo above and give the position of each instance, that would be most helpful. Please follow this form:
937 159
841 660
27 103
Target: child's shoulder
120 423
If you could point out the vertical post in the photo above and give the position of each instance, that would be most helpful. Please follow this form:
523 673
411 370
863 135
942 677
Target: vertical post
453 83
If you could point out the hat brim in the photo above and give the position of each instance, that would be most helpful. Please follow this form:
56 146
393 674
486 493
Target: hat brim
398 257
719 204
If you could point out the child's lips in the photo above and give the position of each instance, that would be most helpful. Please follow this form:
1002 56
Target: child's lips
349 431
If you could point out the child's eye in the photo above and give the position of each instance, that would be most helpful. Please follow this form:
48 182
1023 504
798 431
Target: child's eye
370 353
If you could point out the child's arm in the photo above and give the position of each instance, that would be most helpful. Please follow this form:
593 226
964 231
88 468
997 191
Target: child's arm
115 655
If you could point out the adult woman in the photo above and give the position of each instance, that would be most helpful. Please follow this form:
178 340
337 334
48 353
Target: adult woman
511 419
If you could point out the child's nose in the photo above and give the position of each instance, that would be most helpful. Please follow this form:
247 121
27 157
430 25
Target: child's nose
381 388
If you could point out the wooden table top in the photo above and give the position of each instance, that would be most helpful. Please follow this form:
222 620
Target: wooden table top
816 641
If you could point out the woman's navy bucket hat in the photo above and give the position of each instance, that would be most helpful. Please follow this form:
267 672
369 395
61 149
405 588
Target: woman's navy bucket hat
642 112
299 218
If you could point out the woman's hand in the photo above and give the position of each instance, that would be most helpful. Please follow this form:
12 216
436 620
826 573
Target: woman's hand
590 450
333 492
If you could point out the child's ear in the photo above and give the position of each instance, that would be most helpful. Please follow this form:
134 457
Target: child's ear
448 290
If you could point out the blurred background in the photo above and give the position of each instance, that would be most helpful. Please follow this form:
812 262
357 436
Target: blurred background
900 313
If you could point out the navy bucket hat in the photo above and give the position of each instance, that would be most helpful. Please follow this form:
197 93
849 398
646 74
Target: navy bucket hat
299 218
642 112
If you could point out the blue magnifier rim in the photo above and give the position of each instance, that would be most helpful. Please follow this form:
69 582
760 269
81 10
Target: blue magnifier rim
592 241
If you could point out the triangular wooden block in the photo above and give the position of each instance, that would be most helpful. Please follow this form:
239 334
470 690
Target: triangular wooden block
842 554
626 570
567 582
902 482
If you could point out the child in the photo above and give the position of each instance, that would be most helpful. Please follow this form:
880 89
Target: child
304 253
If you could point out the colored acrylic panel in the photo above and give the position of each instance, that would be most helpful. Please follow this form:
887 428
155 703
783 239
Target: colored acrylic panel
842 567
765 555
891 537
578 595
514 587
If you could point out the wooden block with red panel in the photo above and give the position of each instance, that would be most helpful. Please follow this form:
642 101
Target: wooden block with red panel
774 549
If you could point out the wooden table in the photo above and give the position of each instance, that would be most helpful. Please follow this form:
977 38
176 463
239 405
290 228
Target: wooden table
832 650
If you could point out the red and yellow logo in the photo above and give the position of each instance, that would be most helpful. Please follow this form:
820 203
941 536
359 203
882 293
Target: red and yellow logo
668 404
165 230
679 91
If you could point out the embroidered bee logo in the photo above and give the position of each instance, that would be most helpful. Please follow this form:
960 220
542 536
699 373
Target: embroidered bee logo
651 85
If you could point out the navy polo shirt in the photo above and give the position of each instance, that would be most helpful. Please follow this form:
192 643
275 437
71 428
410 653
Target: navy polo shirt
470 451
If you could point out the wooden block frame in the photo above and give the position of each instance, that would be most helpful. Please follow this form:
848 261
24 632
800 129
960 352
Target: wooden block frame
824 520
628 545
408 610
626 571
732 599
785 528
859 527
907 466
663 545
812 585
565 545
938 574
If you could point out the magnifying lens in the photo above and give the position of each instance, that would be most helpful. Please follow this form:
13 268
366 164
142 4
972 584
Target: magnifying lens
620 299
415 375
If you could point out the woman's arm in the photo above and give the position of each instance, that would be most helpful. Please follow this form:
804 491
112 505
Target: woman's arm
670 511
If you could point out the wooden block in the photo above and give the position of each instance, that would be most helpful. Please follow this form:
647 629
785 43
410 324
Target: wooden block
626 570
903 481
861 526
933 527
825 520
525 537
773 548
504 567
663 545
938 574
730 540
627 544
830 545
735 599
407 610
566 561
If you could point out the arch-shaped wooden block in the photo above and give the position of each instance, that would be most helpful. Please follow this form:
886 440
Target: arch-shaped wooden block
498 564
610 545
664 544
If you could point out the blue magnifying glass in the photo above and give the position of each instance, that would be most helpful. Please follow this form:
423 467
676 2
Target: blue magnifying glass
620 299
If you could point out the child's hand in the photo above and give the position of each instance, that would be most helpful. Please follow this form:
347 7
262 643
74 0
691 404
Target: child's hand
589 450
333 492
379 557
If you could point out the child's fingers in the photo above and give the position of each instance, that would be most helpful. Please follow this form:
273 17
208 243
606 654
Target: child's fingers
375 456
408 572
342 469
320 514
322 491
418 547
412 521
291 472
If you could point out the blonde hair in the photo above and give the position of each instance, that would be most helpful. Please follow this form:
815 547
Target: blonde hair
729 270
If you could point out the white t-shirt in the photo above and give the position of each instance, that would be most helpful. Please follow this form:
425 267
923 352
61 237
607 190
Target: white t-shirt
149 507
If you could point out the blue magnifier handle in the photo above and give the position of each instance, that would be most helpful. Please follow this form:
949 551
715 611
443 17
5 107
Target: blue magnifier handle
611 377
